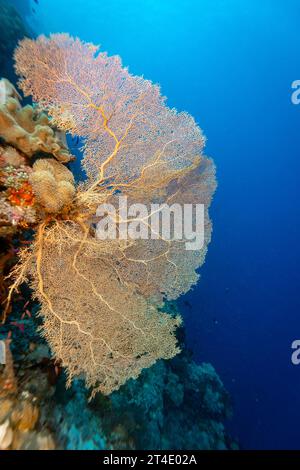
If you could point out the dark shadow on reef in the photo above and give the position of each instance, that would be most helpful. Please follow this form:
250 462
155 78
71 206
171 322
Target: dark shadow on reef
13 28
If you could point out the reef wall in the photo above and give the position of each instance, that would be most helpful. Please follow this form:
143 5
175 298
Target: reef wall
175 404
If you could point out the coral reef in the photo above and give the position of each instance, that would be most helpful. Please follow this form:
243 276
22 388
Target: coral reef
19 414
17 198
17 211
28 129
53 184
26 138
134 145
101 314
165 408
27 178
175 404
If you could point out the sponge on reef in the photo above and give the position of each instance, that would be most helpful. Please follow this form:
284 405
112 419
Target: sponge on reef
53 184
27 129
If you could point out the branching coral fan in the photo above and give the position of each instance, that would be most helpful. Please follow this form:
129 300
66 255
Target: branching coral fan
26 128
100 299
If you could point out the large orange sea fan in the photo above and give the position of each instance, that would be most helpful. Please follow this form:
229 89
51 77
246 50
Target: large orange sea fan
100 298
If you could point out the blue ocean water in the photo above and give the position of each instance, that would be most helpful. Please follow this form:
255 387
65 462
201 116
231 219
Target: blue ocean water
230 63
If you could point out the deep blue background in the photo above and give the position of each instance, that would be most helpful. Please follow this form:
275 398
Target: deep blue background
230 63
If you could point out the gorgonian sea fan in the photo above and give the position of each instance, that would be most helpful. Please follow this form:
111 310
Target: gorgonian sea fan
100 299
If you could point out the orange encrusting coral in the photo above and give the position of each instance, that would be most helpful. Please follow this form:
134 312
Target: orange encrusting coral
22 196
